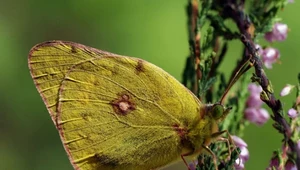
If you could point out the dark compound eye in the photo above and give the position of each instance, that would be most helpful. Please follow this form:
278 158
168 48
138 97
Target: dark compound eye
217 111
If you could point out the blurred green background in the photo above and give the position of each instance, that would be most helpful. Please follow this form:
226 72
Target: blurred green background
153 30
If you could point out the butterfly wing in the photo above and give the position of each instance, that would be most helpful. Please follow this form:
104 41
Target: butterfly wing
119 112
50 61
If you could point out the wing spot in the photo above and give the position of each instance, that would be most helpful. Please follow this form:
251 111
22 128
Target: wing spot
123 105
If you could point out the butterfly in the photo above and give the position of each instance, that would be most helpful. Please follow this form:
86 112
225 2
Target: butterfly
115 112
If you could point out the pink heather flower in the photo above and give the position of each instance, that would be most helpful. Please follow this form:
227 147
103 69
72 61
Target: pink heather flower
286 90
292 113
278 33
270 56
254 98
239 164
244 155
254 89
290 1
289 165
254 113
239 142
258 116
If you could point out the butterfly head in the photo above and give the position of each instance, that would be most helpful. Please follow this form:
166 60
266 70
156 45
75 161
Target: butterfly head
218 112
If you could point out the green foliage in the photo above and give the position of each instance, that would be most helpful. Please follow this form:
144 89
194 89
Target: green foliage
206 82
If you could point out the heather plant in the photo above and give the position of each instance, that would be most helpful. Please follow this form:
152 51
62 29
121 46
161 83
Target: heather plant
212 25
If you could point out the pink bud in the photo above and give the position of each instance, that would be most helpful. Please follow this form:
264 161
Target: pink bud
292 113
278 33
286 90
270 56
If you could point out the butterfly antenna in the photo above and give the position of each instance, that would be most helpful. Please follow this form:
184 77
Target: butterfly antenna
245 66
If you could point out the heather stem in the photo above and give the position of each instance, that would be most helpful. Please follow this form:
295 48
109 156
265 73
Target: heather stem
194 34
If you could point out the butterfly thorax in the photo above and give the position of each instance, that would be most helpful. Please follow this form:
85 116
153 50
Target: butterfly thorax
200 132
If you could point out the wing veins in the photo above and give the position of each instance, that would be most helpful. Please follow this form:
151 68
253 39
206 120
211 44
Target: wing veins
116 83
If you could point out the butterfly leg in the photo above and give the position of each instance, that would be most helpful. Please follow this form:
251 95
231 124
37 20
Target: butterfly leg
211 153
216 137
204 149
228 140
182 157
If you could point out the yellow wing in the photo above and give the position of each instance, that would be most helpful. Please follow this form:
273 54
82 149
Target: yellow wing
48 63
113 112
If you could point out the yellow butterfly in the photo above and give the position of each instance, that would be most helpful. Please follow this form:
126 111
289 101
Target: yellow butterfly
119 113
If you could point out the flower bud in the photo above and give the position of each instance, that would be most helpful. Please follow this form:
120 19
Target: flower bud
286 90
292 113
278 33
270 56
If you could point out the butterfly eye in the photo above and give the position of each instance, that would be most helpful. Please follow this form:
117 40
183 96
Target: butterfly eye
217 111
